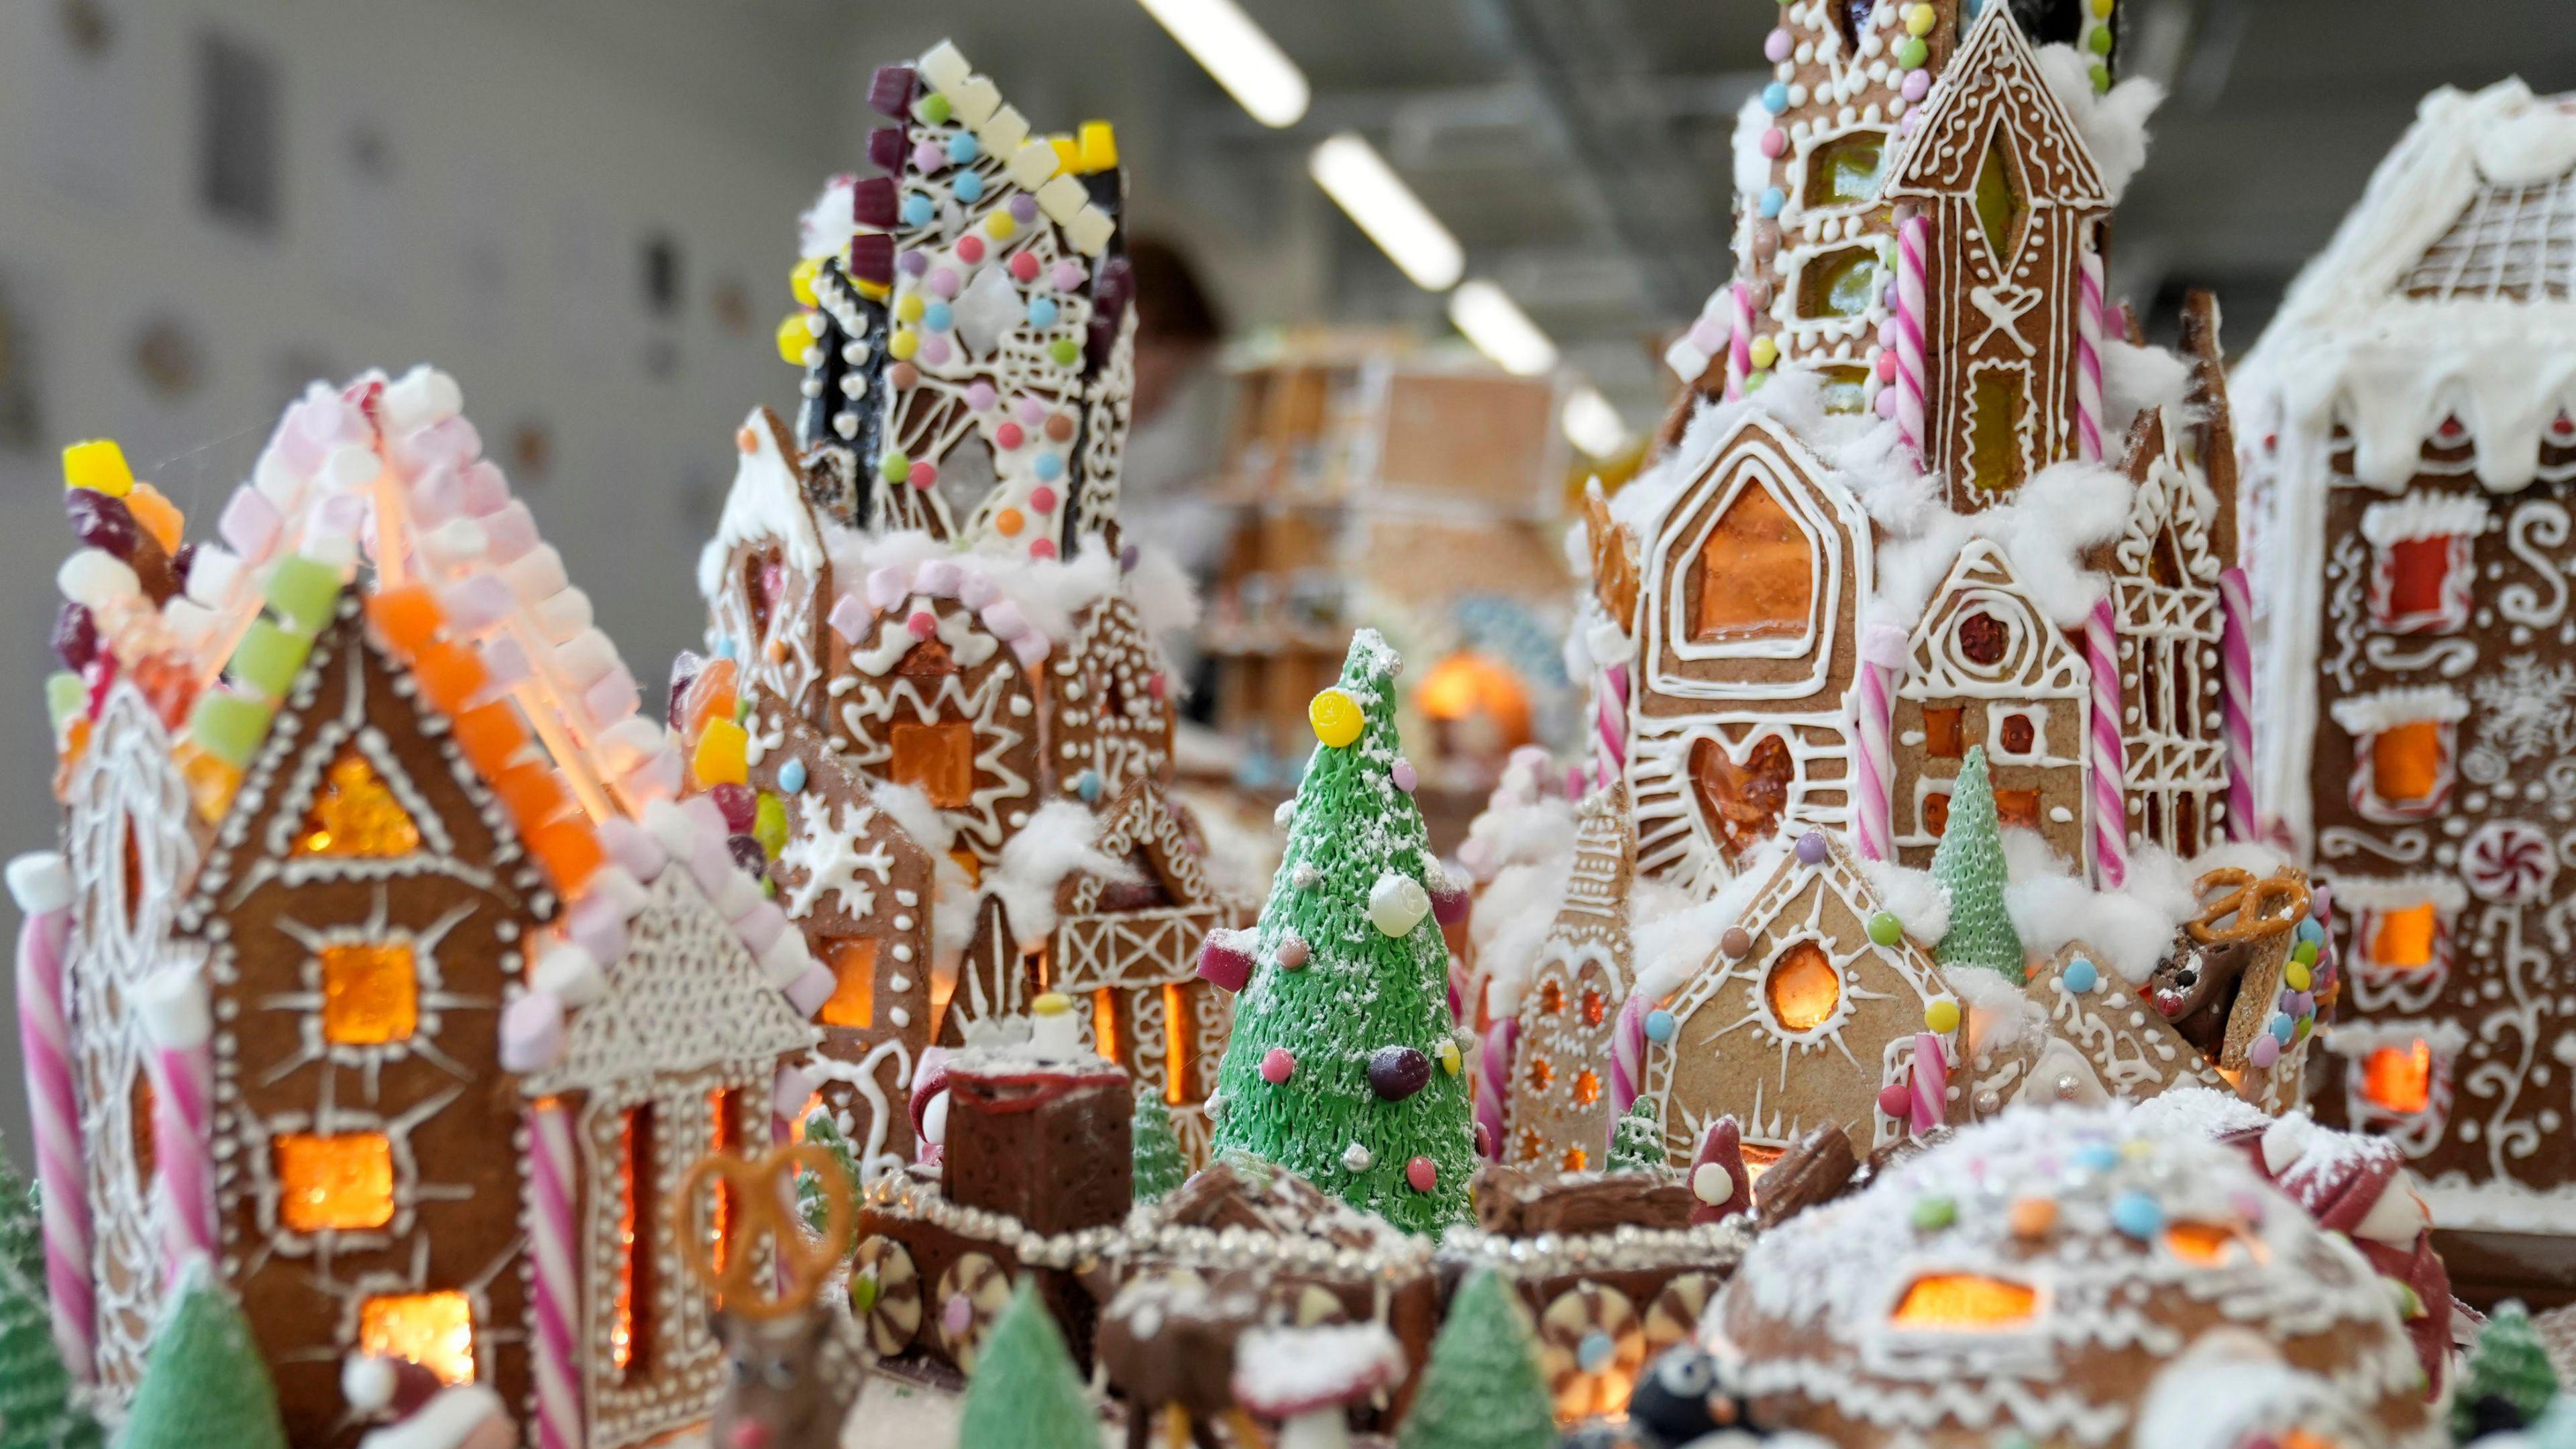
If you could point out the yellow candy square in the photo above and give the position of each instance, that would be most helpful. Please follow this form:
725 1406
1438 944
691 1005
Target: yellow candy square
720 756
99 464
1099 146
1068 153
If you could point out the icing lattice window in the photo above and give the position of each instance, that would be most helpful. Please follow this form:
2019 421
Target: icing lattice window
2422 568
2405 746
2511 241
340 1182
370 992
1839 283
433 1330
356 815
2002 201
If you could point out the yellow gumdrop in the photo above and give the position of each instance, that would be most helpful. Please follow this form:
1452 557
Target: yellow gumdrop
793 338
1336 718
873 291
1098 146
720 758
1450 1061
100 464
1918 19
1068 153
1765 352
1051 1003
800 282
1942 1015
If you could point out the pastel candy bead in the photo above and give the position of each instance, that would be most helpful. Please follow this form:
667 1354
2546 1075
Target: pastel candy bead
791 776
1812 848
1422 1174
1942 1015
1885 929
2264 1053
1895 1100
2081 976
1277 1065
1292 951
2137 1215
1659 1025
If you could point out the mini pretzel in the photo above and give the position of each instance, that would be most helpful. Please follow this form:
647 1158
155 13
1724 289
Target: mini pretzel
2261 906
763 1196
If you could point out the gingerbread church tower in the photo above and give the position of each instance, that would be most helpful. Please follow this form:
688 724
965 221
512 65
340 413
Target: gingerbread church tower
2411 433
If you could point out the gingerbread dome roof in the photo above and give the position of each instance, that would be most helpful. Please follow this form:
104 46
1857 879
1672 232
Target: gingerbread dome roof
2049 1273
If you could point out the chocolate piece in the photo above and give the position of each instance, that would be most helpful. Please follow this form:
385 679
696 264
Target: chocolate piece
1167 1341
1512 1203
1044 1140
1815 1169
2195 987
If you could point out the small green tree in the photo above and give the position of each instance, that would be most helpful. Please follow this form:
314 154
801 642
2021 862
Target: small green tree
1969 865
1159 1166
204 1382
1482 1388
2507 1376
824 1133
1330 1068
36 1406
1025 1393
1637 1141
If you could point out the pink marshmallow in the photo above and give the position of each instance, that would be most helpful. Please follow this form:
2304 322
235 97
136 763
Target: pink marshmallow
850 618
249 524
808 992
485 489
632 847
613 697
512 531
504 663
886 588
475 603
532 1033
939 577
1030 649
761 926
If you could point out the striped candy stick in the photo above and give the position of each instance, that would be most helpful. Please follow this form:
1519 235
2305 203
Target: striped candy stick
556 1306
2236 653
178 1018
41 884
1627 1056
1913 260
1610 724
1931 1100
2104 758
1739 340
1882 650
1494 1083
2088 359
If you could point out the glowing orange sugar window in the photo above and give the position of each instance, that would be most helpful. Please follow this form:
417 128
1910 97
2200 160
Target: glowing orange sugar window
433 1330
2417 569
853 1002
1542 1075
1104 1023
1965 1300
1596 1007
630 1309
1177 1044
2404 937
1467 685
338 1182
1756 574
1551 996
355 815
2406 761
1999 201
1587 1087
1758 1160
1575 1160
1803 988
1936 814
2211 1245
1944 737
370 992
724 1109
938 759
2399 1079
2018 808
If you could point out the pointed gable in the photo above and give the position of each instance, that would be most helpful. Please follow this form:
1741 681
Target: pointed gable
2019 654
1146 828
686 996
1993 90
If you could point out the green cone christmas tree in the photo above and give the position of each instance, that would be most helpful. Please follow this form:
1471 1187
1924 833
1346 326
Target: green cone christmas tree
1969 864
36 1408
1637 1140
204 1382
1481 1389
2507 1376
823 1132
1159 1166
1343 1066
1025 1393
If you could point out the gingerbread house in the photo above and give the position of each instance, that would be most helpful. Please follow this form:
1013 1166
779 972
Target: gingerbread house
366 827
1747 609
1557 1114
2412 434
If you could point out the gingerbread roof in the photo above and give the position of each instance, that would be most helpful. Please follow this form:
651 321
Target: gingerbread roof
2444 294
2035 659
1994 82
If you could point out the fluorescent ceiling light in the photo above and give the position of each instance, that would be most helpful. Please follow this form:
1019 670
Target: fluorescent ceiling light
1354 175
1500 329
1242 57
1591 423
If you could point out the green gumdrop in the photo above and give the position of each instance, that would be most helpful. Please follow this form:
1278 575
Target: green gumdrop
863 1292
302 591
228 726
1885 929
934 110
1911 52
65 697
268 658
2099 40
769 824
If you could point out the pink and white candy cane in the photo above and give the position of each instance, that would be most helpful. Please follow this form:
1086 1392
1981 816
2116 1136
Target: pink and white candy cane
2104 756
556 1305
2236 651
1627 1058
1610 725
1931 1100
1913 259
1739 339
1882 650
180 1022
1494 1083
42 888
2088 358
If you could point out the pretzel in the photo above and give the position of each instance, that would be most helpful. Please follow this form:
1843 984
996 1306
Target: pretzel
763 1194
2262 906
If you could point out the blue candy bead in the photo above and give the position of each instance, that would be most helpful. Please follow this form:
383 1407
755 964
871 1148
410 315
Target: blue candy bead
791 776
1659 1025
1595 1350
969 185
2137 1214
1042 312
1048 466
962 147
2282 1028
2081 976
1774 201
2097 1156
1775 98
935 317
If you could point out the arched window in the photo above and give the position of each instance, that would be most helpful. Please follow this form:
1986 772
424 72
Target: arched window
1756 574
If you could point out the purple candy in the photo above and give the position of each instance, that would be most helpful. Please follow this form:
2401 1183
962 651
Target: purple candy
75 637
1223 963
747 853
890 90
885 148
1397 1072
102 522
1024 208
684 670
872 258
1811 848
873 201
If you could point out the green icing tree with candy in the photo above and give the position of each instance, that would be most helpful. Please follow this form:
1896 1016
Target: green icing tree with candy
1969 865
2507 1381
1482 1388
36 1408
1158 1164
1025 1393
1343 1066
1637 1140
204 1382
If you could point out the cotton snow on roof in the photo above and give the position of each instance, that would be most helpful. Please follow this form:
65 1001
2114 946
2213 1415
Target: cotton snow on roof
2446 292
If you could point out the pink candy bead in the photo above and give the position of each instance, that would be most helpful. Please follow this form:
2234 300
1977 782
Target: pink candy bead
1031 411
1068 275
1024 267
1404 776
979 396
1009 436
1042 499
1896 1100
922 624
1277 1065
942 283
922 475
1774 141
1422 1174
1777 45
1293 952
